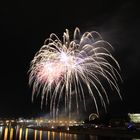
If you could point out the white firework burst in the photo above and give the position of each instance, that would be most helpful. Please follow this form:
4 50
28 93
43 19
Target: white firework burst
61 68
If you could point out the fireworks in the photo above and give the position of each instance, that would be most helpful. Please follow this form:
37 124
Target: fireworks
60 69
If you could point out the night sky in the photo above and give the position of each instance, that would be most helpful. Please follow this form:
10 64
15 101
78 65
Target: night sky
24 25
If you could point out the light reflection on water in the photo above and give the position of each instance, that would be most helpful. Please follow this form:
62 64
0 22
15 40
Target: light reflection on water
6 133
20 133
11 133
26 134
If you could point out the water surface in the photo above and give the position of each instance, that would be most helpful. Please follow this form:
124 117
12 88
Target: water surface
21 133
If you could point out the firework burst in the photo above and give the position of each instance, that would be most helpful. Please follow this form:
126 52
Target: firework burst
61 68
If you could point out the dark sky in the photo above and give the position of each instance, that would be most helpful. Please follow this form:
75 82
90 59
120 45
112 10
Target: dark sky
24 25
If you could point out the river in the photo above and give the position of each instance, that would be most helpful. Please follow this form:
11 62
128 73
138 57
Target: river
21 133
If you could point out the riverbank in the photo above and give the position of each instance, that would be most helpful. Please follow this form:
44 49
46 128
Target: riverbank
105 131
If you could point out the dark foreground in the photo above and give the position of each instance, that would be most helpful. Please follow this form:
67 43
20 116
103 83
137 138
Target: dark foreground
105 131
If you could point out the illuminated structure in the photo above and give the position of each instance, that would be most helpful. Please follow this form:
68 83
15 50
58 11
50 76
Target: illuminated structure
93 116
134 117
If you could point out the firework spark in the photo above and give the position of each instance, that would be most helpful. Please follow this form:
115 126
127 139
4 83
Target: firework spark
61 68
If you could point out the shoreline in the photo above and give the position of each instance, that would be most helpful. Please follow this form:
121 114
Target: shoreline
111 132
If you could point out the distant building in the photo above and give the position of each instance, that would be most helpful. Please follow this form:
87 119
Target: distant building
134 118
